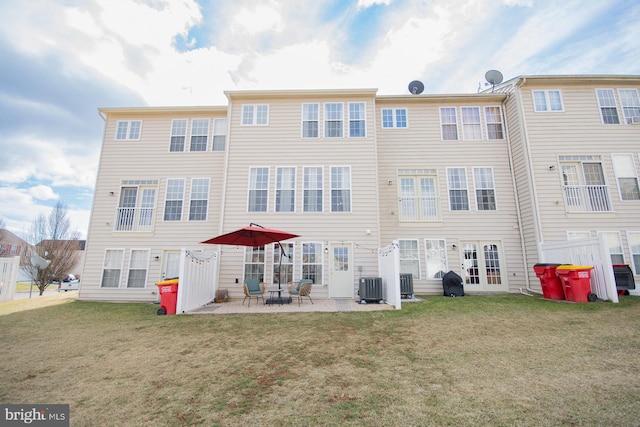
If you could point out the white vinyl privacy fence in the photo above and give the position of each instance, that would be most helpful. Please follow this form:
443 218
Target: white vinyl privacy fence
198 280
8 274
389 269
593 251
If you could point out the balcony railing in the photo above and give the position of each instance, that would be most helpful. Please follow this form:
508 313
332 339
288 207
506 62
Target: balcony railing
134 219
587 198
419 209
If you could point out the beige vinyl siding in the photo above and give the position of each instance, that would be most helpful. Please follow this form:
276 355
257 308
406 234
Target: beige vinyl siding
280 144
148 159
420 147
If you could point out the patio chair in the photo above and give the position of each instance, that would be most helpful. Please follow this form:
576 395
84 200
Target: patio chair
253 288
301 289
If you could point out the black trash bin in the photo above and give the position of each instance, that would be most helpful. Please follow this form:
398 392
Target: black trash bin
624 278
452 285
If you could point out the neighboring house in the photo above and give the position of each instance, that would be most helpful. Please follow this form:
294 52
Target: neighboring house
463 182
12 245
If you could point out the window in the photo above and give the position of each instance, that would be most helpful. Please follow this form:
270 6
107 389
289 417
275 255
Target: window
614 243
310 120
136 206
471 123
547 100
449 123
258 189
418 195
178 134
493 116
138 264
485 189
458 193
583 183
128 129
333 120
630 105
634 247
286 189
312 262
199 199
312 198
254 263
173 199
219 134
199 134
340 189
255 115
626 175
111 268
394 118
608 109
576 235
436 256
356 120
409 257
285 274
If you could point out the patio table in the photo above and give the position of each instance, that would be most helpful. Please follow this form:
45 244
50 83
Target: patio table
279 299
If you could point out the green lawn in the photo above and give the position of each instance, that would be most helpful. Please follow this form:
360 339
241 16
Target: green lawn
500 361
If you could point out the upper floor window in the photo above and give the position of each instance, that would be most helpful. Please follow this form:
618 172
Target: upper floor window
258 189
333 118
340 189
471 123
630 105
178 134
493 116
485 189
584 186
627 177
128 129
219 134
199 134
286 189
394 118
136 206
312 189
458 192
547 100
608 108
418 195
255 114
356 119
198 206
449 123
310 119
174 199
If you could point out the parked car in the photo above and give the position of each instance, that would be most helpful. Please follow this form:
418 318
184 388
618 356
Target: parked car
69 283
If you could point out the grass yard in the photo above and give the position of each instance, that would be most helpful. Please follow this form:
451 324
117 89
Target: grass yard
503 360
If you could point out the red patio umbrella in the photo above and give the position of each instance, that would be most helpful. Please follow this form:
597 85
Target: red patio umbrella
254 235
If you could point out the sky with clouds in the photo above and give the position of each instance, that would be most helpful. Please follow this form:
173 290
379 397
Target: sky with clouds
64 59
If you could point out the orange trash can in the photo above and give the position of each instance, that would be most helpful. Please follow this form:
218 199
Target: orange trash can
549 281
576 281
168 290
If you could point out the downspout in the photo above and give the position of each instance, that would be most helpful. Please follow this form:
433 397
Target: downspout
517 199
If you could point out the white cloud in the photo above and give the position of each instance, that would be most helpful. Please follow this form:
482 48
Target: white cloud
258 19
43 192
364 4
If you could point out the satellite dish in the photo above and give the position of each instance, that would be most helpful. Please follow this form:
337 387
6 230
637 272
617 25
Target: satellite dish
38 261
494 77
416 87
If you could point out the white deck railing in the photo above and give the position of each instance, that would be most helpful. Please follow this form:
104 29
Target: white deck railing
134 219
587 198
421 209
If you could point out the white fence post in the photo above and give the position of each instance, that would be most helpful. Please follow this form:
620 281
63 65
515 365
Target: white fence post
389 269
8 274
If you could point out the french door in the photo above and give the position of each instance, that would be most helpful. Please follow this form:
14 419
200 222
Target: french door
483 266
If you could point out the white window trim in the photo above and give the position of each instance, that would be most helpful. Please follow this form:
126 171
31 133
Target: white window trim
322 188
476 188
446 257
254 117
626 120
457 123
570 234
363 119
146 275
302 120
208 199
547 100
469 201
249 189
487 123
225 128
104 258
631 253
418 257
324 120
350 188
321 263
191 135
462 123
164 205
128 133
276 188
605 232
615 174
394 118
616 105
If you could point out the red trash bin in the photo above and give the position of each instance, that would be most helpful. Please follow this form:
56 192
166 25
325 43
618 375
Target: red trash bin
576 281
550 282
168 296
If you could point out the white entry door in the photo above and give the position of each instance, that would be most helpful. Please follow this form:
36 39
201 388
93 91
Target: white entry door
483 266
340 271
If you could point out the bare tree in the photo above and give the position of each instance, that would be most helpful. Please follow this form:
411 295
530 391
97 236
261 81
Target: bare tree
52 240
2 234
